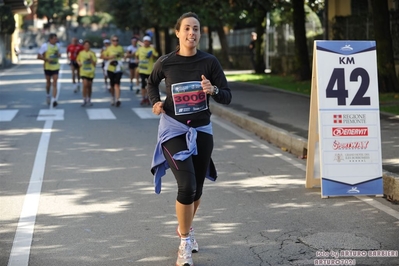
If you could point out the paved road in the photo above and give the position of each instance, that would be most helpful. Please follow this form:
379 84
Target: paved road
79 179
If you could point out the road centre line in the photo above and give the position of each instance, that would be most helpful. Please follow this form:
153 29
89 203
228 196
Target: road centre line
20 251
275 152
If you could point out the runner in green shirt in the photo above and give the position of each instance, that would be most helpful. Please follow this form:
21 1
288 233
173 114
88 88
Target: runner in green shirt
146 55
87 66
114 55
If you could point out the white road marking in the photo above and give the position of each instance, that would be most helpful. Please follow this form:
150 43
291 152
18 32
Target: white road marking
379 206
100 114
20 251
372 202
145 113
21 246
50 114
7 115
6 71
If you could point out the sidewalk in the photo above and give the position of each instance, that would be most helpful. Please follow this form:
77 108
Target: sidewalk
282 118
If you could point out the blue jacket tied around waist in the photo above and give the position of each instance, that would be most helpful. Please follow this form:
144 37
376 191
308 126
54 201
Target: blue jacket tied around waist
168 129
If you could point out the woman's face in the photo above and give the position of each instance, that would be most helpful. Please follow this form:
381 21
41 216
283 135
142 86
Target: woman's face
189 33
86 46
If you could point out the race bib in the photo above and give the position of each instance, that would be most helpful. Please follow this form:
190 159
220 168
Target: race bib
87 64
188 98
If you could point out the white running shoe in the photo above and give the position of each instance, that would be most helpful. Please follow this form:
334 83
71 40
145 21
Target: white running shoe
194 243
77 88
184 257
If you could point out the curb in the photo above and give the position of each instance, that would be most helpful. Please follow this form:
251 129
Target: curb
291 143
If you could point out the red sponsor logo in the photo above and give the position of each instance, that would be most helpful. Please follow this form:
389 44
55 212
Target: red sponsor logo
337 119
350 131
353 145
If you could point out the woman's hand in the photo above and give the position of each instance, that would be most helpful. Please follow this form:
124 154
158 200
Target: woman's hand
157 108
206 85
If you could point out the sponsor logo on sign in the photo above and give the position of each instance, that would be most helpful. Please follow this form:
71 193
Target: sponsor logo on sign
350 131
339 157
353 145
337 119
349 118
352 157
347 47
353 190
357 157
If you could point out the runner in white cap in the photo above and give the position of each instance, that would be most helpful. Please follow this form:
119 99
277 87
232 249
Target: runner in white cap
146 55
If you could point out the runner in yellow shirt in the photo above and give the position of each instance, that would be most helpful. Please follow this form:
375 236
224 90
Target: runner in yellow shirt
49 52
114 55
87 66
146 55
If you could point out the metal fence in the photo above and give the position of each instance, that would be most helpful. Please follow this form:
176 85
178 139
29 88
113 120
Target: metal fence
361 28
280 39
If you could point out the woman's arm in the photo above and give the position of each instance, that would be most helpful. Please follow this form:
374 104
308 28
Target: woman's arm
219 80
154 80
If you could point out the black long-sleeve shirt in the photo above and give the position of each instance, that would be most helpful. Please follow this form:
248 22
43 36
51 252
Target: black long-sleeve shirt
176 69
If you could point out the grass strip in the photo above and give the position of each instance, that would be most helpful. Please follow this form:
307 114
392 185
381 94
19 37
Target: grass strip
389 102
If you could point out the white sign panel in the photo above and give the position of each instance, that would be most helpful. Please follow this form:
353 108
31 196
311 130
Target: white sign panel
349 121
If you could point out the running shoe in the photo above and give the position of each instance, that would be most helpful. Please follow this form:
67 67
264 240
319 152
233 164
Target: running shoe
55 104
184 257
194 243
118 103
112 101
131 86
84 103
48 100
137 91
77 87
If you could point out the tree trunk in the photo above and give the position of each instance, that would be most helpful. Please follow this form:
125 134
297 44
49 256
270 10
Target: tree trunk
157 40
168 44
301 46
210 40
225 46
387 79
260 15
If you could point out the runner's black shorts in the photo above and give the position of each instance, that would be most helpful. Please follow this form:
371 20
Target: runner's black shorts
87 78
114 77
74 64
190 173
51 72
133 65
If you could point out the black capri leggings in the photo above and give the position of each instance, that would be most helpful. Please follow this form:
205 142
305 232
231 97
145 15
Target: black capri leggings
114 77
190 173
144 78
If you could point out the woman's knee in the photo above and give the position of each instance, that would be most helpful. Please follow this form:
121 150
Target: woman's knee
186 193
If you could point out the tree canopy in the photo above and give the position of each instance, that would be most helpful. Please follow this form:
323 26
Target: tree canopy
55 11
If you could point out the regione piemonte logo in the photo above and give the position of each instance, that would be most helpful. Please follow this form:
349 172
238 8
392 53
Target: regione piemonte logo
350 131
349 118
337 119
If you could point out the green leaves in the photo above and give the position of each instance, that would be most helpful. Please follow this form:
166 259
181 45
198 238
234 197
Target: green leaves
7 21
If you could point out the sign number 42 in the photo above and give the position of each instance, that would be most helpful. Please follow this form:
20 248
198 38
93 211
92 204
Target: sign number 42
341 93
